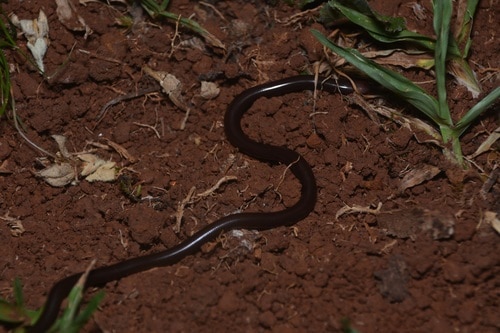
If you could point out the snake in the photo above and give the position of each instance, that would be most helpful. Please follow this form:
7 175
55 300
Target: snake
246 220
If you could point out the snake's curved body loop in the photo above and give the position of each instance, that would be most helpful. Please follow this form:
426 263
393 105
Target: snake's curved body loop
256 221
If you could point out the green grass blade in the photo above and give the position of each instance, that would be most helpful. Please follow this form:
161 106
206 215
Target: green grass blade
155 10
465 29
10 313
476 111
390 24
18 292
6 41
392 81
164 5
84 316
374 27
441 22
4 83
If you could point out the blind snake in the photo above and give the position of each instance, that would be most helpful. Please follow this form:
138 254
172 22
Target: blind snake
255 221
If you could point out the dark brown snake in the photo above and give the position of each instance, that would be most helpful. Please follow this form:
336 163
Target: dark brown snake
253 221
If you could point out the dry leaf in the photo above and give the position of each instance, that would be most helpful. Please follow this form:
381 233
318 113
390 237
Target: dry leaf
36 32
418 176
486 145
402 58
170 84
61 144
104 173
173 88
355 209
58 175
492 219
90 164
66 12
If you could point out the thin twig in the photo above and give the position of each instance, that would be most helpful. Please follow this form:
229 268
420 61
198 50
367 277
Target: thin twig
16 125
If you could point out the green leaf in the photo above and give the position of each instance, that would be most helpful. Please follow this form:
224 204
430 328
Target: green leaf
84 316
465 28
441 23
476 111
389 24
11 313
155 10
380 30
18 292
392 81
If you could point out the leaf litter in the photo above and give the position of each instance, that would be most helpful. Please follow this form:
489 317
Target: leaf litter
70 167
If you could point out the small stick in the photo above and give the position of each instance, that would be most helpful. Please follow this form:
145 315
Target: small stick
119 99
191 198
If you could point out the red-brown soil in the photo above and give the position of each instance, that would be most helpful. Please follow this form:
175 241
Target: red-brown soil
382 272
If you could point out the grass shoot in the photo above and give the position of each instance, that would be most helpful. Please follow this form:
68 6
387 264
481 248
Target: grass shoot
443 47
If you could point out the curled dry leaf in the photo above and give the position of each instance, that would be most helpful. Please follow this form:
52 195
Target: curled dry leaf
61 145
58 175
418 176
66 12
171 86
356 209
36 32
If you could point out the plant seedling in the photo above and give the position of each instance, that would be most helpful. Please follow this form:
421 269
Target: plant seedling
155 9
436 109
17 317
7 41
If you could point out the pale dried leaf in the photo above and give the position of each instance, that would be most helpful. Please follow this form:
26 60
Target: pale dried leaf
36 32
209 90
486 145
58 175
171 86
418 176
402 58
346 210
61 145
105 173
492 219
66 12
464 77
90 164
